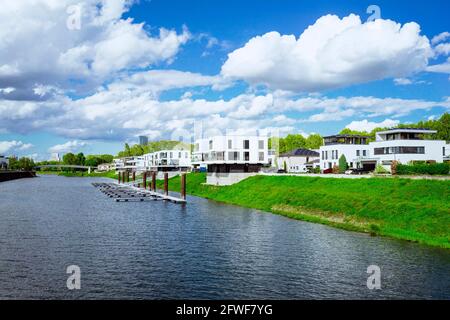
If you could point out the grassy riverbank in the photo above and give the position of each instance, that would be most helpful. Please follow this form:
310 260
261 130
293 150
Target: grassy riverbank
415 210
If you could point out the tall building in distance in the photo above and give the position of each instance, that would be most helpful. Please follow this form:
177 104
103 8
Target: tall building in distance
143 140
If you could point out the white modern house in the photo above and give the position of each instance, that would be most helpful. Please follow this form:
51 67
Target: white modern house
231 158
353 147
168 161
4 163
298 160
405 146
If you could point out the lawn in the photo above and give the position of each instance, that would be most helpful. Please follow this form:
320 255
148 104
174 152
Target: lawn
415 210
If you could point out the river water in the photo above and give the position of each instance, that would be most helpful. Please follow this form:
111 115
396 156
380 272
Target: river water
204 250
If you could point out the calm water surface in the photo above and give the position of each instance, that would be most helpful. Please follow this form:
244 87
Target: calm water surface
204 250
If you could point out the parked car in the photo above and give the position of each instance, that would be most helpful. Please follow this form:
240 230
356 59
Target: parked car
281 171
328 171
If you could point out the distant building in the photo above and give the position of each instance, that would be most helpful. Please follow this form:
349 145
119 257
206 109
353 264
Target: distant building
55 157
232 158
298 160
104 167
143 140
4 163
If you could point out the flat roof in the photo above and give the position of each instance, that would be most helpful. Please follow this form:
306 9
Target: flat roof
409 130
346 136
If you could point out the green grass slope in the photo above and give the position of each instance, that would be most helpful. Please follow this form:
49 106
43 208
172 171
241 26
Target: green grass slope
416 210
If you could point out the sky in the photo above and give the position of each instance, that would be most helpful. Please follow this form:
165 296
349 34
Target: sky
88 76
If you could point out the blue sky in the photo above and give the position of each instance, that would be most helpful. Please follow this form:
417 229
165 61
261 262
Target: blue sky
225 64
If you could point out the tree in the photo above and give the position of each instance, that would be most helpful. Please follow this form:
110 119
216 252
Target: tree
70 159
292 142
342 164
314 141
23 163
80 159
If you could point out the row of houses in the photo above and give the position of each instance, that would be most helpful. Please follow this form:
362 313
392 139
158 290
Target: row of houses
232 158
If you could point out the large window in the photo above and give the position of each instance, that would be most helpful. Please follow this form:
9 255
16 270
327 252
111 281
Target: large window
233 156
261 156
261 144
399 150
246 144
230 144
246 156
358 152
210 144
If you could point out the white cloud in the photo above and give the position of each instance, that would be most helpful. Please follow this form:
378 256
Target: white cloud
331 53
440 37
402 81
7 146
69 146
368 126
442 49
440 68
105 45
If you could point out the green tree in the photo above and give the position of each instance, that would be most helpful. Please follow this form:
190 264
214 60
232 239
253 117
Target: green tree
80 159
70 159
292 142
343 166
314 141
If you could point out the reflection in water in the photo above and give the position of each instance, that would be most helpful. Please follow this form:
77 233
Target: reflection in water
203 250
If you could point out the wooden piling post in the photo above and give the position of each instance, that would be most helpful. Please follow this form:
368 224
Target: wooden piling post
166 183
154 181
144 180
183 186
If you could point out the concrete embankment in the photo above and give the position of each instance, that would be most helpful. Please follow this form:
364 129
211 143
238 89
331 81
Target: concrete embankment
13 175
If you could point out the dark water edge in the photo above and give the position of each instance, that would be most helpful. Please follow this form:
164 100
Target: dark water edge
204 250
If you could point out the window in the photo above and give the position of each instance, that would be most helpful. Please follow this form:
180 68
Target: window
326 155
246 144
230 144
261 156
357 153
364 153
210 144
323 155
179 155
261 144
233 156
171 155
399 150
337 156
246 156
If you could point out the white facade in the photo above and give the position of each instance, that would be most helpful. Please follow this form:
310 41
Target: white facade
354 148
232 158
405 146
297 161
402 145
231 149
168 160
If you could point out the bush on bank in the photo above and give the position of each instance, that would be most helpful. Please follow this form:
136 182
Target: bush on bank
423 168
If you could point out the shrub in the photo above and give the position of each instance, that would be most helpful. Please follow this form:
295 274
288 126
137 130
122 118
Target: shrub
380 169
431 169
316 170
335 169
342 164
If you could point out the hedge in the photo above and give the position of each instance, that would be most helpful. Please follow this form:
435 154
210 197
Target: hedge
434 168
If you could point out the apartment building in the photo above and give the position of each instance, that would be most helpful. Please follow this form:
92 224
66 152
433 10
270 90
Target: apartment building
231 158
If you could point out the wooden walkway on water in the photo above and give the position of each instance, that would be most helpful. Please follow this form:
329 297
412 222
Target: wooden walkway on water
130 193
